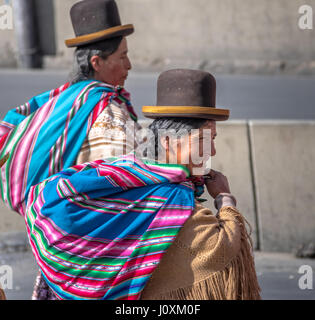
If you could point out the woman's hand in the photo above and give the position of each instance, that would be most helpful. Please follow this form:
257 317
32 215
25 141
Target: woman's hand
216 183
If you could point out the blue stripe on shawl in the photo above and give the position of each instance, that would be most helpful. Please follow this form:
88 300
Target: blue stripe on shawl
16 118
126 288
55 125
82 221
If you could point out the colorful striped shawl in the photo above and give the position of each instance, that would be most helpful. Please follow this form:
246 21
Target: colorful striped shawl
45 135
99 230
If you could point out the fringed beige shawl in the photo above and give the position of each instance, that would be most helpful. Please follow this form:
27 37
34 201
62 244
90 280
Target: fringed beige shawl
211 259
2 295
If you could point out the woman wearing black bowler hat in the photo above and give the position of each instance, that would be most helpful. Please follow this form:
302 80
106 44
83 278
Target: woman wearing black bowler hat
101 54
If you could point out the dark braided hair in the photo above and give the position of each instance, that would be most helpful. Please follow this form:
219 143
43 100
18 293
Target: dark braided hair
177 126
82 67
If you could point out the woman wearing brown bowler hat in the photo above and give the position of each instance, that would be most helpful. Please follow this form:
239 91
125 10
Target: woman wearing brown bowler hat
211 257
130 228
101 54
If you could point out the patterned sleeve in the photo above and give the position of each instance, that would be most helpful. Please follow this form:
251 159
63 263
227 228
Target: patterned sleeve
113 133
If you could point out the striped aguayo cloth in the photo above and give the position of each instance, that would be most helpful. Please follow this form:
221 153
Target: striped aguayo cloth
45 135
98 230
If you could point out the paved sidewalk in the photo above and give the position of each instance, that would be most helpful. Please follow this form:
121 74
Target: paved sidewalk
277 273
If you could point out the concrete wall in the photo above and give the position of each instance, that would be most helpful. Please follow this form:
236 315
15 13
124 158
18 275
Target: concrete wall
271 171
234 161
260 36
9 220
7 49
284 170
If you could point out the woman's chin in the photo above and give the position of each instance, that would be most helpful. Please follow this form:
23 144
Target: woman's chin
199 170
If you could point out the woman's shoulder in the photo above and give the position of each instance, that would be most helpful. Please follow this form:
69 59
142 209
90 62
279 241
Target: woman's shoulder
201 209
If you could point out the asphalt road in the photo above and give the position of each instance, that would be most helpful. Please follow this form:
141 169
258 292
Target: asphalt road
247 96
277 275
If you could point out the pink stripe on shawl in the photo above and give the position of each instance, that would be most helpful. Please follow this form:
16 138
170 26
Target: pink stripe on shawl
21 158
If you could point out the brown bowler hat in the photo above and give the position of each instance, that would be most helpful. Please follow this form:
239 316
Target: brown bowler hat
96 20
186 93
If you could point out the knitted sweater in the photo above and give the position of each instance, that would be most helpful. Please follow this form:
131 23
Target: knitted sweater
211 259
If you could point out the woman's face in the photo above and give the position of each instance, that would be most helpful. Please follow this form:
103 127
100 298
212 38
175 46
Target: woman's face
194 149
114 69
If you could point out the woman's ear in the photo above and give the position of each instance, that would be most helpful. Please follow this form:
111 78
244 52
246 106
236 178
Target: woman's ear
164 148
165 143
95 62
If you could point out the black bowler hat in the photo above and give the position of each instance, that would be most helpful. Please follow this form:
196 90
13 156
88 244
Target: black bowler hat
96 20
188 94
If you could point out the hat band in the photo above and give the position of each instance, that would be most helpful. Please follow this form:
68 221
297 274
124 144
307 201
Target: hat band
184 110
87 38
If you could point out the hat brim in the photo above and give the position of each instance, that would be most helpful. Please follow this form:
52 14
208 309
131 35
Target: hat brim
210 113
113 32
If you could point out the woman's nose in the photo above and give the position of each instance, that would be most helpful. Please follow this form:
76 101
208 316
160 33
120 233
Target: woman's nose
213 150
129 66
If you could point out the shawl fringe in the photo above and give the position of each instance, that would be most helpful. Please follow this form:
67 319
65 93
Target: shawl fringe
237 281
2 295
